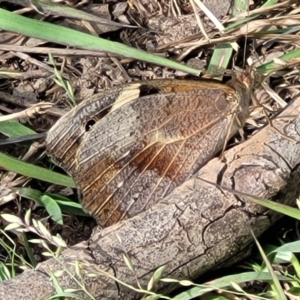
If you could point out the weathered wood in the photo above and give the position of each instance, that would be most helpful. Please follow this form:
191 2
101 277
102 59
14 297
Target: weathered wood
196 228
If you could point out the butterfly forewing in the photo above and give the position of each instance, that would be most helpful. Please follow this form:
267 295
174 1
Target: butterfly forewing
140 151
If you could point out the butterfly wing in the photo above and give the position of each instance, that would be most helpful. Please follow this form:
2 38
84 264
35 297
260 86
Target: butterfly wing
141 150
64 138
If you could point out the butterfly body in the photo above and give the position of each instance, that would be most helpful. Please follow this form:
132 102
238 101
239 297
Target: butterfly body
145 139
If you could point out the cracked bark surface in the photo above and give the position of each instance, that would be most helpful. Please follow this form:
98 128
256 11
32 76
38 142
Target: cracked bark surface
196 228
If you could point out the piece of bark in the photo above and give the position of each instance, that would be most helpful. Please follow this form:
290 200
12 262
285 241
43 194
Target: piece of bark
198 227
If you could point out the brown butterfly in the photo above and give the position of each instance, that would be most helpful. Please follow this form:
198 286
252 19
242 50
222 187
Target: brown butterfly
130 146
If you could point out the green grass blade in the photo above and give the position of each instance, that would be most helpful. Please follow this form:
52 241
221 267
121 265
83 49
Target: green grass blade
66 205
275 281
220 60
30 170
223 282
276 206
30 194
223 52
66 36
56 9
281 208
249 18
289 247
13 128
29 250
4 272
52 208
292 57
